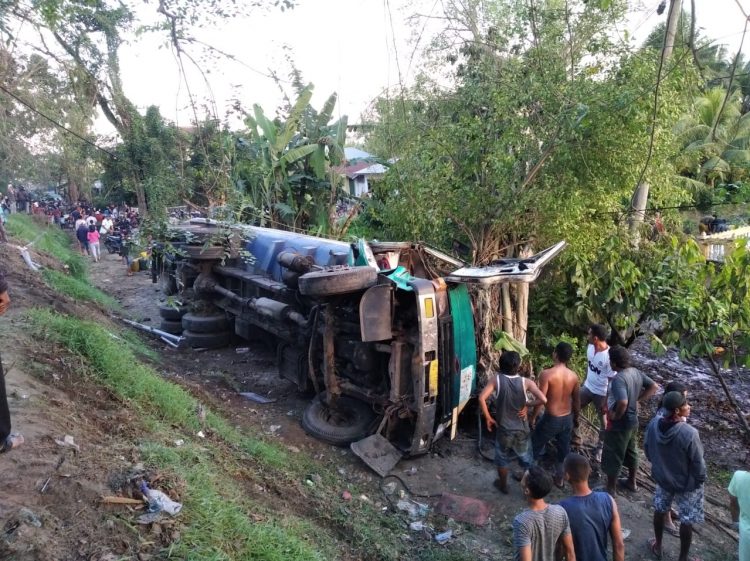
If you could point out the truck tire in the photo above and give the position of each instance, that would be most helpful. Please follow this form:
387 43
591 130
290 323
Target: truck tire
351 421
168 283
207 340
172 313
339 281
215 323
170 326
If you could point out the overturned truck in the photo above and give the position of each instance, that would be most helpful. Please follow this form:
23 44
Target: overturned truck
381 334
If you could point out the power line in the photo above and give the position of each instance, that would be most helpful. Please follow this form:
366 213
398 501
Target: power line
51 120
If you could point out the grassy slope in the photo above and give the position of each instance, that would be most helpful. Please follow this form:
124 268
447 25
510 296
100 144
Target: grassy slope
221 520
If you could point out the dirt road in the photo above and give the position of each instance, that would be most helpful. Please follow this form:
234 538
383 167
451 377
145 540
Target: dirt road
454 467
52 397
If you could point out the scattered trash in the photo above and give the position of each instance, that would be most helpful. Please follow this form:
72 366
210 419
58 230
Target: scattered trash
242 350
417 526
365 498
389 488
160 502
200 434
315 478
444 537
68 442
273 429
252 396
293 448
346 495
179 442
413 508
411 471
116 500
625 533
149 518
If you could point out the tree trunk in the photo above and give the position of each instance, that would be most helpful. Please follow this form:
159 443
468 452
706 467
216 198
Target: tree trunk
640 200
521 315
675 9
507 309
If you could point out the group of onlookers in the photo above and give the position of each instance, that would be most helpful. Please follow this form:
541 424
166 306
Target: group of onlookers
89 228
580 525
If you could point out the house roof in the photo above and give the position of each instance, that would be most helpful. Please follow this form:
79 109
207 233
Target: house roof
362 168
352 153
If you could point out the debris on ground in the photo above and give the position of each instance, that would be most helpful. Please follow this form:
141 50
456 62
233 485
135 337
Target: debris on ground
412 508
463 509
159 501
68 442
252 396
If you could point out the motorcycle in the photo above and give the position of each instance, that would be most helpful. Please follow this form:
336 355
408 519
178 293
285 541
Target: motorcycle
113 242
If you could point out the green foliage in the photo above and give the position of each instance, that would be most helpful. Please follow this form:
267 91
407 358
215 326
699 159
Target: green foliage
286 167
51 240
520 148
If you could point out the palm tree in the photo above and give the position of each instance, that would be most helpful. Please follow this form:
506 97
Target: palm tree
715 142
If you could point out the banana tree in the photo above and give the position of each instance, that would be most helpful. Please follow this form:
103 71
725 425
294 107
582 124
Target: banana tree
296 159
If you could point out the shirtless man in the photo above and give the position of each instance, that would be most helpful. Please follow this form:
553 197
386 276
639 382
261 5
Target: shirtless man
561 387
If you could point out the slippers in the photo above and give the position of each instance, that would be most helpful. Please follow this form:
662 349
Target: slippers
672 530
11 441
623 483
652 548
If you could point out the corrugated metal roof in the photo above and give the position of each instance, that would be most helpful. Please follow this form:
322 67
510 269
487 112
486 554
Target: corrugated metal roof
352 153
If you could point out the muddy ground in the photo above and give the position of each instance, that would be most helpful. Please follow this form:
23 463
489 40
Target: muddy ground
48 401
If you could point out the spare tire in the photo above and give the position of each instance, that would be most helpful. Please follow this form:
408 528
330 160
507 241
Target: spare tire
351 420
173 327
205 324
207 340
339 281
168 283
172 313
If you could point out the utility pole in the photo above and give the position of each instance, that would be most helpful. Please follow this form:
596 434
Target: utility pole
673 17
640 196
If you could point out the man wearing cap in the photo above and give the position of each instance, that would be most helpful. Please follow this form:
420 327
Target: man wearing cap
676 454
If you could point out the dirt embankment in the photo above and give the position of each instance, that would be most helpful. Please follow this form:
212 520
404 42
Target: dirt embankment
52 397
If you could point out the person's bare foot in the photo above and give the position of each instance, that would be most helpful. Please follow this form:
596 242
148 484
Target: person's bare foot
11 442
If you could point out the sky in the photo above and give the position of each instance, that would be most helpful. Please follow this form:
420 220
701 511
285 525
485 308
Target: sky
353 47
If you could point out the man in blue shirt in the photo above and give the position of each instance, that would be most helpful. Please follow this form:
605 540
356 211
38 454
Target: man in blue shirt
592 514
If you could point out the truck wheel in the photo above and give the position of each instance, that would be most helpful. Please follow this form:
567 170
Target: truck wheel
172 313
173 327
207 340
205 324
350 421
339 281
168 283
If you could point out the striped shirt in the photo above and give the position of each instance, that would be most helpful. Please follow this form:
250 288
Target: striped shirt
541 529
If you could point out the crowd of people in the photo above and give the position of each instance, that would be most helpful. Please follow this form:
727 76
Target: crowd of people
581 526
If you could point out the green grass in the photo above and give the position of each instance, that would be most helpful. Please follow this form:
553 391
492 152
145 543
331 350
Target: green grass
218 515
49 239
78 288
